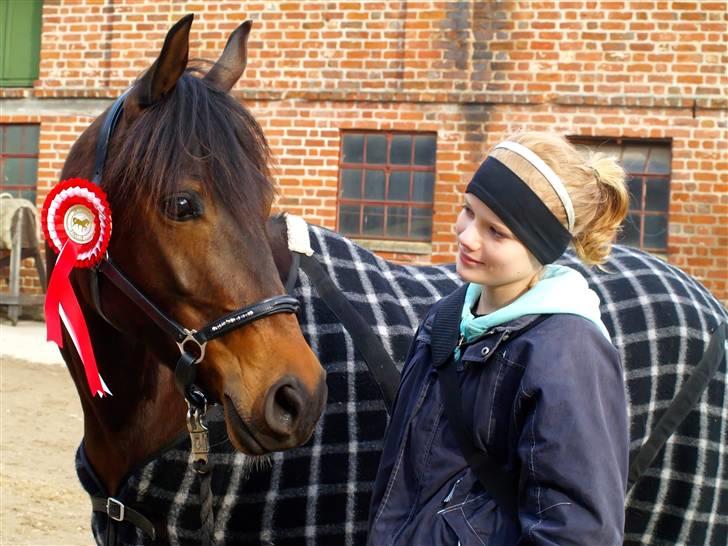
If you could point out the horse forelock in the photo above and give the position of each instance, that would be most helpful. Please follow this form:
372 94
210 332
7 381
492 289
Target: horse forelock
198 132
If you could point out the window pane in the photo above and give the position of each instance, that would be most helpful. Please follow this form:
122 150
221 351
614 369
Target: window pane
634 185
401 152
373 221
11 171
30 171
656 232
399 182
425 150
349 219
374 185
351 184
397 221
13 140
422 186
659 162
353 149
609 148
376 149
633 158
658 195
421 223
31 138
630 234
25 194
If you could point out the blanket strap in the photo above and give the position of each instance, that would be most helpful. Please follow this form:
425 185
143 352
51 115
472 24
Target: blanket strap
368 345
683 403
119 512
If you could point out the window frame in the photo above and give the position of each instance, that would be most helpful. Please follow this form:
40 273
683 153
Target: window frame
387 168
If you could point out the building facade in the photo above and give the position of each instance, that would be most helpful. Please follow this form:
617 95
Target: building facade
378 113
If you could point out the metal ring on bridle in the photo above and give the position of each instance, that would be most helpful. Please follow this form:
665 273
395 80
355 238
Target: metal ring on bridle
199 348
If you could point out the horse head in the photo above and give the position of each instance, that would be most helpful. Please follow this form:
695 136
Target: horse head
187 181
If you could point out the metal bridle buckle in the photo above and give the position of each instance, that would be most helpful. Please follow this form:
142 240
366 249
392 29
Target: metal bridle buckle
114 509
198 348
199 437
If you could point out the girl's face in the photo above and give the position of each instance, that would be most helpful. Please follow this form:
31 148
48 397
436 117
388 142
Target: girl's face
489 254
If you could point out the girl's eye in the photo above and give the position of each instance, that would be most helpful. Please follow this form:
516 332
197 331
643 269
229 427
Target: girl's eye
182 207
497 234
468 210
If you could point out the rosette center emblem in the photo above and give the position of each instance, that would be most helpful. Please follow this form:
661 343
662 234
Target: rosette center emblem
79 223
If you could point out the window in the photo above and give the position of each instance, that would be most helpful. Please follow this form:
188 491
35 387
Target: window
19 160
386 185
648 177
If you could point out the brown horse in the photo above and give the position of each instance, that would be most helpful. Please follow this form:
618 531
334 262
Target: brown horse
187 181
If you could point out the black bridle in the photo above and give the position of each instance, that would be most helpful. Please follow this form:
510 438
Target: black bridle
191 342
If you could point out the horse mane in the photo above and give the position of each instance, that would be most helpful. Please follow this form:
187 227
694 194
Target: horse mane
196 131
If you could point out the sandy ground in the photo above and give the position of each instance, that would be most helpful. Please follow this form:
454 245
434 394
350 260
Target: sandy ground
41 423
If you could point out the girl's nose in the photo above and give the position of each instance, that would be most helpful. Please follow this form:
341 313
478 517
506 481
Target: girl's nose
468 238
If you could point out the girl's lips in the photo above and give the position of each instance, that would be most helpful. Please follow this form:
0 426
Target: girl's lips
468 260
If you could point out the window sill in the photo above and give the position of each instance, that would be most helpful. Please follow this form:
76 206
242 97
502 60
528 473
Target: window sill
400 247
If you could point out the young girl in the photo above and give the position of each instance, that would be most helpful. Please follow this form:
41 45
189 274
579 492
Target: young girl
539 385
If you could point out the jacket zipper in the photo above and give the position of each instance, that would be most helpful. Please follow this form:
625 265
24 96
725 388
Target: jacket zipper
448 498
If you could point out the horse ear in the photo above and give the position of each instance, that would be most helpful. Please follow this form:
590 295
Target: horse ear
162 76
231 64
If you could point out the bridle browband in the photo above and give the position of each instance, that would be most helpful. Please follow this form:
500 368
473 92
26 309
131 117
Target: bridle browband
191 342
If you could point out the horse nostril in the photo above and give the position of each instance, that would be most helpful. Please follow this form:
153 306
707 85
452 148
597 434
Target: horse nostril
284 407
289 403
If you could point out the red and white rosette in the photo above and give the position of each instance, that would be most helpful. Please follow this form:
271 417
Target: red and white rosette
76 222
77 210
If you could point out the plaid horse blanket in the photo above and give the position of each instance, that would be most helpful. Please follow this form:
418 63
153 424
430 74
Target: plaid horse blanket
318 494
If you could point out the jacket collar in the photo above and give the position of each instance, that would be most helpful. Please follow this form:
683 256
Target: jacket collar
446 326
445 329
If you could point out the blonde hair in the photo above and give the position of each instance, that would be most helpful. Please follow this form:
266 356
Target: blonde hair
595 183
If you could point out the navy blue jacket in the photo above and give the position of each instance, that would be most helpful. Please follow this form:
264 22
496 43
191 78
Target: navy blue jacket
545 396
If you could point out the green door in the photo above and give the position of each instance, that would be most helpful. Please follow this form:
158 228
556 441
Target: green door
20 25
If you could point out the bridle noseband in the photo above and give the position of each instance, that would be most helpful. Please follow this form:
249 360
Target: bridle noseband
191 342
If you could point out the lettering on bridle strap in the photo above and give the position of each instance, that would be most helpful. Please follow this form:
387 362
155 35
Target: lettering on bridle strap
232 320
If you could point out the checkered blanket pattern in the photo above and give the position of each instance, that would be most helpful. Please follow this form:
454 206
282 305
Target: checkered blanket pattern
318 494
660 321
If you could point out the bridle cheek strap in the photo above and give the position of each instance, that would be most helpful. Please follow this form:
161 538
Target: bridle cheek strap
192 343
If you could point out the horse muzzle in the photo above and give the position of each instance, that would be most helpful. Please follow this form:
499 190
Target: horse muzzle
286 419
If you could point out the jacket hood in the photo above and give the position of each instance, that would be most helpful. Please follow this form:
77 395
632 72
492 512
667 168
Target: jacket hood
561 289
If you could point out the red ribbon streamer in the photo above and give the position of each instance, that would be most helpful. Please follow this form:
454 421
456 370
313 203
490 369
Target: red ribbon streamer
60 297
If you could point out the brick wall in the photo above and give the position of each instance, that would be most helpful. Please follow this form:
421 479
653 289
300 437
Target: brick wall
470 71
657 52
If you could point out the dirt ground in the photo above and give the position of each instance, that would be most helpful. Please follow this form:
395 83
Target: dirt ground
41 424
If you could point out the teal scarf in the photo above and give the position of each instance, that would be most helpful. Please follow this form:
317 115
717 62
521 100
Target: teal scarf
560 290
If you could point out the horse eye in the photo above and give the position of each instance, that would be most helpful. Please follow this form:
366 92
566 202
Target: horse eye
182 206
